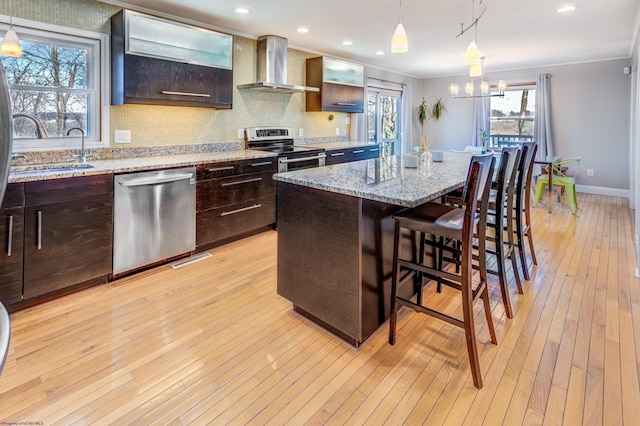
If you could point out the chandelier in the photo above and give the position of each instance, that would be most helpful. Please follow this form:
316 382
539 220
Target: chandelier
475 62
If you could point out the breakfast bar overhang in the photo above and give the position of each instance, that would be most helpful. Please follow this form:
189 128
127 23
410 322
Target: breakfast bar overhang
335 236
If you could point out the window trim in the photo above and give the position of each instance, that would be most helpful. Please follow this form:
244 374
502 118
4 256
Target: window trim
99 74
512 87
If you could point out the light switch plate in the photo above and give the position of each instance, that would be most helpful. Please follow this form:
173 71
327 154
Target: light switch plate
300 132
122 136
338 131
240 133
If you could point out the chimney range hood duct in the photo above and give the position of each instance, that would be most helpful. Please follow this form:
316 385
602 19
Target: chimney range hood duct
272 67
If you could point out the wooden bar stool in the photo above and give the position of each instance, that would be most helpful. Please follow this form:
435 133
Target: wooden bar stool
455 224
500 219
523 205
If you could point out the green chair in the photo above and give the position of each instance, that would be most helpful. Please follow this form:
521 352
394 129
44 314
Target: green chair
561 180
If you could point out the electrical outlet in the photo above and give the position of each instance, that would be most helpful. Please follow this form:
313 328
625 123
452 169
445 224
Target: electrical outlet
240 133
122 136
338 131
589 172
300 132
348 120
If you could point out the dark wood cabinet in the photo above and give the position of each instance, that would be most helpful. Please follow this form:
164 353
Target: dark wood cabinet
68 233
146 69
337 156
11 244
340 91
234 199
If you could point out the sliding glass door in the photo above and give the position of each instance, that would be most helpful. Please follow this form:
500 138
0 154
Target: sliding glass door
383 120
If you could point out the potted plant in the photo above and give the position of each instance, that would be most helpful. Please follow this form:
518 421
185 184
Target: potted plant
484 138
425 113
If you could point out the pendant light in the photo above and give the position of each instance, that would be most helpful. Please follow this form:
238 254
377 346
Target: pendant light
475 70
10 42
399 41
472 56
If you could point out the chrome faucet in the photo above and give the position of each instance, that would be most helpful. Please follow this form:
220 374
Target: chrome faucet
82 155
40 131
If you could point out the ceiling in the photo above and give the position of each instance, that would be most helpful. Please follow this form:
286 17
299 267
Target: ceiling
511 34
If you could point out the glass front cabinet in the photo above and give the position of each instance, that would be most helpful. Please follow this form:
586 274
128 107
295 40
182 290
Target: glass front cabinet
341 85
161 62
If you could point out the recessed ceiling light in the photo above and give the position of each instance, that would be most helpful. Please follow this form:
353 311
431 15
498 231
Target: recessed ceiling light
242 11
566 9
303 30
347 43
379 53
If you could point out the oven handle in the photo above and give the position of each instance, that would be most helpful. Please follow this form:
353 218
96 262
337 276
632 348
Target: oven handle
297 160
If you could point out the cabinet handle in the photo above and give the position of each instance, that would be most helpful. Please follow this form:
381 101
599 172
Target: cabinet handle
337 154
219 169
197 95
244 209
374 149
345 104
10 235
39 235
240 182
360 151
264 163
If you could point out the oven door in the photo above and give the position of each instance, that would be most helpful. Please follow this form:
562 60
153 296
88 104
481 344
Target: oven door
304 161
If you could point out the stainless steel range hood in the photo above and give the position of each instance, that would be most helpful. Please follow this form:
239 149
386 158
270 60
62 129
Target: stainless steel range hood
272 67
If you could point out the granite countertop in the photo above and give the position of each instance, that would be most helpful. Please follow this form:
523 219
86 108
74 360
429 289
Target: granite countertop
409 188
337 145
40 172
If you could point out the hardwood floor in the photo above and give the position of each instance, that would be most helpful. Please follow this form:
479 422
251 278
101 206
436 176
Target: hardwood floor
213 343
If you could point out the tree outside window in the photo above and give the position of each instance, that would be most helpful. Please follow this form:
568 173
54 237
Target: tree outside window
512 116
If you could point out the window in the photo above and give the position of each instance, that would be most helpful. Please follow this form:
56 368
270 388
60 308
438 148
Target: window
383 121
512 116
56 86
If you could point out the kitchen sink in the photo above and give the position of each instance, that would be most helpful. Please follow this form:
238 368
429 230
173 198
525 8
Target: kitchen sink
48 168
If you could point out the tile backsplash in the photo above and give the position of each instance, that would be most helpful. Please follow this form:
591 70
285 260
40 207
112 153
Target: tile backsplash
152 125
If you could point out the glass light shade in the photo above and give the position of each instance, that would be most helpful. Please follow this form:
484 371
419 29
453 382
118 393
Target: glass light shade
473 55
484 88
468 88
475 70
502 86
454 89
11 44
399 42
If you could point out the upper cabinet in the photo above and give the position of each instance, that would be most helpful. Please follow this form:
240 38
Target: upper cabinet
161 62
341 85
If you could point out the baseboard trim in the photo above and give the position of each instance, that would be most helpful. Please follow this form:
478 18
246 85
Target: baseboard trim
601 190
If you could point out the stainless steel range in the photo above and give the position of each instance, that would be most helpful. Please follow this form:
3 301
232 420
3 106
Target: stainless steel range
279 140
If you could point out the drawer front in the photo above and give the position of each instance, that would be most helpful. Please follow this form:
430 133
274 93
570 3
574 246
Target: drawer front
218 170
373 152
60 190
231 190
346 155
227 222
258 165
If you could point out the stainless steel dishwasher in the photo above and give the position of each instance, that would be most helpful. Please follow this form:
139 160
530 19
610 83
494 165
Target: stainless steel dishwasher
154 217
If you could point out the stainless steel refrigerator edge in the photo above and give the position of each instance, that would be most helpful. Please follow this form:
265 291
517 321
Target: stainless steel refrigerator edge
6 133
154 217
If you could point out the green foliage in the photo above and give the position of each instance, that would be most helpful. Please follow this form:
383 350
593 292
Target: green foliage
428 111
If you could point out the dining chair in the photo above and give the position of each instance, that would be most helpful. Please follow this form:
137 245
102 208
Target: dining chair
562 180
5 333
455 224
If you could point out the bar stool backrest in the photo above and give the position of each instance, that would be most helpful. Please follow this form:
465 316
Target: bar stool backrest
486 162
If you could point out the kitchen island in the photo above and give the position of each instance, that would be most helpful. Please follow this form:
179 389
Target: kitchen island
335 236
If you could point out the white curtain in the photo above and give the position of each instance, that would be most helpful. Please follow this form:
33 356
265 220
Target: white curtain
542 127
406 120
481 115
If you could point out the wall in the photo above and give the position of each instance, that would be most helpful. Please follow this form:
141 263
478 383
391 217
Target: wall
590 118
161 125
